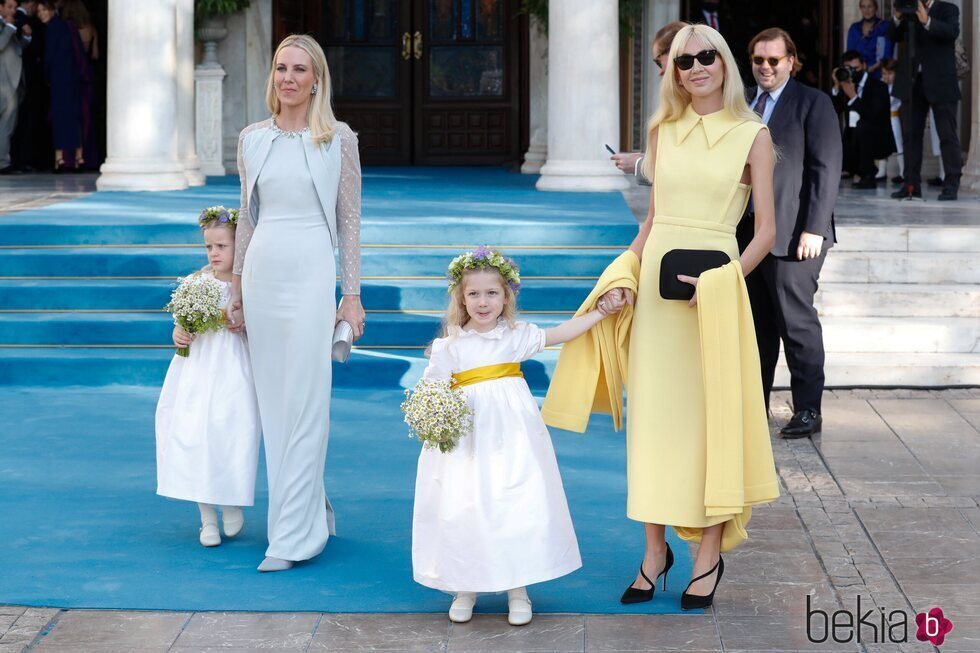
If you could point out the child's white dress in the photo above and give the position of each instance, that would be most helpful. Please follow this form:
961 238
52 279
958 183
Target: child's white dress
492 515
207 422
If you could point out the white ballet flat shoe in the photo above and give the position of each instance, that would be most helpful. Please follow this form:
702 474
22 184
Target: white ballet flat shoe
210 535
461 610
518 610
275 564
233 521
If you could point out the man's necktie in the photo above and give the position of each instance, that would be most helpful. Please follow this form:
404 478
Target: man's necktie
760 105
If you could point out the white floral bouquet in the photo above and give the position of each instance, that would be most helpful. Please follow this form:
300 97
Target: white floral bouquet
437 414
196 306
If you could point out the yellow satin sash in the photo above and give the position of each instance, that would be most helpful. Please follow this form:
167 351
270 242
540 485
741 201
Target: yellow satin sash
486 373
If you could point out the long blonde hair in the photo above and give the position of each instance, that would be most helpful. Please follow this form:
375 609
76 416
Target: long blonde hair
456 315
674 98
319 113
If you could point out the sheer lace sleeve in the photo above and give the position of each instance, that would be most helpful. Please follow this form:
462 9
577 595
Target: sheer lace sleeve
243 232
349 212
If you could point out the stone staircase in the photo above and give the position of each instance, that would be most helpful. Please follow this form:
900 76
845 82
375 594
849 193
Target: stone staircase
80 303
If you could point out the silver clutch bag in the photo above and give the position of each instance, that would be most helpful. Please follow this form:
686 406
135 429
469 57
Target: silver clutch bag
343 339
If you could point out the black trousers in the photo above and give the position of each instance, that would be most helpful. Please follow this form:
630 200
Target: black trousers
781 291
914 114
859 151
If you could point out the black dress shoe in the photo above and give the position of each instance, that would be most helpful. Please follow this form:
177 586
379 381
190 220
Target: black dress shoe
898 179
866 183
804 424
936 182
696 601
636 595
905 193
882 179
9 170
948 195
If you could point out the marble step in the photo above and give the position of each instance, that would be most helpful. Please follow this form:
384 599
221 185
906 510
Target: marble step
376 368
945 238
901 267
898 300
868 370
833 299
402 262
400 329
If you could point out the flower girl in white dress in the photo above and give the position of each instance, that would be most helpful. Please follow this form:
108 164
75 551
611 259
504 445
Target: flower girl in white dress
207 418
491 515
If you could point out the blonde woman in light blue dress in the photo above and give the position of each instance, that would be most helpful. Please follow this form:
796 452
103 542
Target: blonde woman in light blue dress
301 199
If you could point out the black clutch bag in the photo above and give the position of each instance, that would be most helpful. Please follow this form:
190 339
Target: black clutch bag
689 262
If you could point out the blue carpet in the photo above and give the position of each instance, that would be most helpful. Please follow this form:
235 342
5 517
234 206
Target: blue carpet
82 527
453 206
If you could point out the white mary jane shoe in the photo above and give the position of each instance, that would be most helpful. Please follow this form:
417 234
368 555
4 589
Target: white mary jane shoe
232 519
210 535
518 608
461 610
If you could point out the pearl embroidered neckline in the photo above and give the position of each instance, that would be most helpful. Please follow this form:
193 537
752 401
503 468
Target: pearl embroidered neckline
288 134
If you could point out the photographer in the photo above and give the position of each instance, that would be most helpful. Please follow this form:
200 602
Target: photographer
926 79
865 105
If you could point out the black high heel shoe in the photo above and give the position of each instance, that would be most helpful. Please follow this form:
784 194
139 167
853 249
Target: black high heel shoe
635 595
695 602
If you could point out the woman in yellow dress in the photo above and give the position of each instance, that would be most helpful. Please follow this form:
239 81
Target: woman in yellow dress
698 449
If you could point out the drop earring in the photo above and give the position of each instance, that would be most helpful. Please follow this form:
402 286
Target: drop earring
313 92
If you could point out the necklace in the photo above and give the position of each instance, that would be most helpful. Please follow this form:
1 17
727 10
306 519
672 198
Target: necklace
294 134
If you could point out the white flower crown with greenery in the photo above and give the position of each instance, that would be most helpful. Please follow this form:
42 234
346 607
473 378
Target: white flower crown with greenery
481 258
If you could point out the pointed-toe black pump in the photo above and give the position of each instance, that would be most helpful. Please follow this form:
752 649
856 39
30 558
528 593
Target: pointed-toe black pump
635 595
695 602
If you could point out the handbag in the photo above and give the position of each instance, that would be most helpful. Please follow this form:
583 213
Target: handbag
343 339
689 262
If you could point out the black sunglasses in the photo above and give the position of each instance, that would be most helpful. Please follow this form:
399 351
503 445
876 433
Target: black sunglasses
686 61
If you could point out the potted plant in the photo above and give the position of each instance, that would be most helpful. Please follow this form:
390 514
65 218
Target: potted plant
210 20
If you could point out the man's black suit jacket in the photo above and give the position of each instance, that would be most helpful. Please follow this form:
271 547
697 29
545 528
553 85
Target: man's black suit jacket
806 132
935 51
874 108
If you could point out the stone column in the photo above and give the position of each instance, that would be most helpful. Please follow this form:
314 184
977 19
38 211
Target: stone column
971 172
583 96
537 151
656 14
141 99
208 82
187 150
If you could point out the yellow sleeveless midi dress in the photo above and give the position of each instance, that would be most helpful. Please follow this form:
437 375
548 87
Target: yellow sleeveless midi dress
699 200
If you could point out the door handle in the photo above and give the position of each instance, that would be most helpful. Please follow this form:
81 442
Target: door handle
417 47
406 46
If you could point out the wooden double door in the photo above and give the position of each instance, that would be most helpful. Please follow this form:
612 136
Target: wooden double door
425 82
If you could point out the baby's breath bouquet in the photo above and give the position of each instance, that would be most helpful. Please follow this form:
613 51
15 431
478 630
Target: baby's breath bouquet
196 306
437 414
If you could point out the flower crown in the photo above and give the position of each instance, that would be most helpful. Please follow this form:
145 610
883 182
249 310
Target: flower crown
481 258
218 214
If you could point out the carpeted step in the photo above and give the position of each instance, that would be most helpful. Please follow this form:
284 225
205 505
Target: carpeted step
393 329
390 329
142 262
97 366
376 294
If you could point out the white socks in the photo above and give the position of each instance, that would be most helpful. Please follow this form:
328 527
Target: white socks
209 525
519 607
231 518
461 610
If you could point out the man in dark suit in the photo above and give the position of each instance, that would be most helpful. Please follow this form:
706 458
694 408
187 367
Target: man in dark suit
806 132
926 79
865 105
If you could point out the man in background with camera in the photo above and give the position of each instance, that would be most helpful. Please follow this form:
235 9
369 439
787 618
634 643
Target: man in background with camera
926 79
865 105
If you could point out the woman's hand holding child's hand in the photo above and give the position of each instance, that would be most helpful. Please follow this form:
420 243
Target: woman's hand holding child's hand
182 338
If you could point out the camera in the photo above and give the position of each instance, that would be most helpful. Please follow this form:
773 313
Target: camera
906 7
847 74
